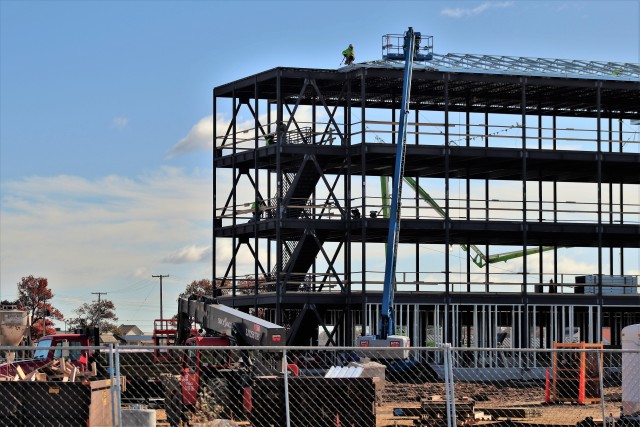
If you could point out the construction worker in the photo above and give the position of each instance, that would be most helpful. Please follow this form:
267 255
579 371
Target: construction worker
348 54
257 209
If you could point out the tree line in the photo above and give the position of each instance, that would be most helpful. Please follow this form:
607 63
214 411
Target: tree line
36 298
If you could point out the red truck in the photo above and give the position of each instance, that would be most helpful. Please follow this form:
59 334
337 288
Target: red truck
53 347
142 368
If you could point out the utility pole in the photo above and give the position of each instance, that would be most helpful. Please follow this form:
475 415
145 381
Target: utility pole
161 276
44 318
99 307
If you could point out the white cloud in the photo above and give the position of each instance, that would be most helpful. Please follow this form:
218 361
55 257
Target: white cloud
119 122
200 137
459 12
189 254
87 235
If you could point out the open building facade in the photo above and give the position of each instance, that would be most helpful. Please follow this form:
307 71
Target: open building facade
520 221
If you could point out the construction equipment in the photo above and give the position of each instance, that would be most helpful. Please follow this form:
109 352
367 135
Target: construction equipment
14 325
409 50
229 324
225 377
14 329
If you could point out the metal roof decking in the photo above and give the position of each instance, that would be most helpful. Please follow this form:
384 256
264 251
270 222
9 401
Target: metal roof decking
518 65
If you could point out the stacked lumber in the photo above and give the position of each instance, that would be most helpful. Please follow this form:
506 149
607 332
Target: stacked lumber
56 370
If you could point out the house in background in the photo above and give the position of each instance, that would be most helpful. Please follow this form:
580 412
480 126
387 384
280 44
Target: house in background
132 335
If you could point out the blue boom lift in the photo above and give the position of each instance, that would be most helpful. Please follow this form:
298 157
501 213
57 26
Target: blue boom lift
397 47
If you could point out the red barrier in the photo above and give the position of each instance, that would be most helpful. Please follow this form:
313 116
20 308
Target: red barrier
547 387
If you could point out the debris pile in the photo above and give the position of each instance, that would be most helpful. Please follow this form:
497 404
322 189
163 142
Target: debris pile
55 370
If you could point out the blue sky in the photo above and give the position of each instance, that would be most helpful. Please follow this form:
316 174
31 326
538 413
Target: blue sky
96 95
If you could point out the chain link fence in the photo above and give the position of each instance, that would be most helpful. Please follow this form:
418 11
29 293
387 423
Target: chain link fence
571 385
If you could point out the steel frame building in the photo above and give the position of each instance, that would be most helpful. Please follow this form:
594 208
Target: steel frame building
299 208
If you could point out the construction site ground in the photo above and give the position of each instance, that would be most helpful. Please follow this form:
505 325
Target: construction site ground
493 398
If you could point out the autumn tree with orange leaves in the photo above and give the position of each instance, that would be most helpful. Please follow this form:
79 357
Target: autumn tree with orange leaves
203 287
200 287
34 296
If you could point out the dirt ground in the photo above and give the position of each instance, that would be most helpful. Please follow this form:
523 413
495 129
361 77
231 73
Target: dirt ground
491 398
487 397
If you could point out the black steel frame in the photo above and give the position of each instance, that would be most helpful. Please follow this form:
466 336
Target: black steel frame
290 232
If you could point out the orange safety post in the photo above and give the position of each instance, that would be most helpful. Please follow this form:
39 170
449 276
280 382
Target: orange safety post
547 388
582 380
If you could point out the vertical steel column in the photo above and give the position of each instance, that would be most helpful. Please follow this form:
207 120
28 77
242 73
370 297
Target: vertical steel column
417 202
258 203
540 205
363 175
314 118
525 292
234 201
599 177
554 127
348 338
279 196
611 260
269 196
486 204
214 200
468 193
446 196
621 202
467 119
415 326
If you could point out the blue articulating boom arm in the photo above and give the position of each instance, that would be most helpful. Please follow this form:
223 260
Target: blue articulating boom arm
387 324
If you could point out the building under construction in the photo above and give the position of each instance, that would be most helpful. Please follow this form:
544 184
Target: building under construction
520 220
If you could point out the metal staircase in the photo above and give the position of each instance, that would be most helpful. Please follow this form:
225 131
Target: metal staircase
298 256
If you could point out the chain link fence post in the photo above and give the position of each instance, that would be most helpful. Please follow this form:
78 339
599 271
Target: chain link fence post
112 384
449 386
118 382
286 386
601 383
454 421
446 382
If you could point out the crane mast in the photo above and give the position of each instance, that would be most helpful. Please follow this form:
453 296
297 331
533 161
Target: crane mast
409 51
387 323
